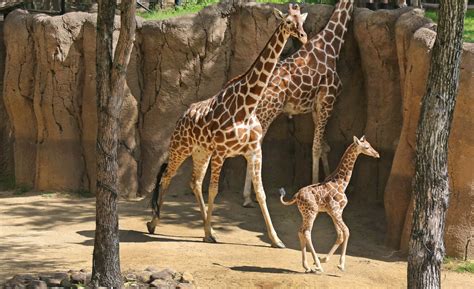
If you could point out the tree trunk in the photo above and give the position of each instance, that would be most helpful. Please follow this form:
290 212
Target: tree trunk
431 185
111 73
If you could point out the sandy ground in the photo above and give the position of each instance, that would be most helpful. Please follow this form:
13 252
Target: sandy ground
45 232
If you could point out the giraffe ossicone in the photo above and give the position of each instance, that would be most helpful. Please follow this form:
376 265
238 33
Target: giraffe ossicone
225 126
328 196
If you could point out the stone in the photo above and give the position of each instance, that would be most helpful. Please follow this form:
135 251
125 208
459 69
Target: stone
187 277
166 274
53 282
151 269
185 286
159 283
398 192
144 276
66 283
37 284
130 277
78 277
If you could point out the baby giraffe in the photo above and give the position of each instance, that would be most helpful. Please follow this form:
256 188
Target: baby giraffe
328 197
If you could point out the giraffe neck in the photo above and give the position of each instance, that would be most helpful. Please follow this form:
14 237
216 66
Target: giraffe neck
344 170
257 77
333 33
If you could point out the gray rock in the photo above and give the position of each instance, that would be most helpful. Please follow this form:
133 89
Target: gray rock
166 274
159 283
130 277
66 282
185 286
79 277
144 276
187 278
52 282
37 284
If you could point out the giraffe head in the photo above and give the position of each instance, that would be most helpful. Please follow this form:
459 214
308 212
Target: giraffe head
293 22
363 146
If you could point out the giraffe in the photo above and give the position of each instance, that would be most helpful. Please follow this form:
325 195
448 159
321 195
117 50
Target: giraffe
328 197
305 82
225 126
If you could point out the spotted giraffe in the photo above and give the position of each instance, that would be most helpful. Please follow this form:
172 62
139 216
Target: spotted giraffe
328 197
225 126
307 82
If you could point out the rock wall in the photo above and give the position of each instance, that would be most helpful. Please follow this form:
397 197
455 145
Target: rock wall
415 39
49 97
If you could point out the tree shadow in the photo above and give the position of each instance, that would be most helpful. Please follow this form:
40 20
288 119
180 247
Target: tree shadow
133 236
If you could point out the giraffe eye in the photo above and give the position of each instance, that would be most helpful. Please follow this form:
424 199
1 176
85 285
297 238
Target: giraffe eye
288 22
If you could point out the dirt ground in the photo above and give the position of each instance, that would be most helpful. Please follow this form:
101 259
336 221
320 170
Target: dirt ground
49 231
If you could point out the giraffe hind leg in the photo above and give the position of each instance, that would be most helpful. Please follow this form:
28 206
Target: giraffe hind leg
161 187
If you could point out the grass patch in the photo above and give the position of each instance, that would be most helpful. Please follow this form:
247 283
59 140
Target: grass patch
83 193
459 266
21 189
468 23
7 183
190 7
330 2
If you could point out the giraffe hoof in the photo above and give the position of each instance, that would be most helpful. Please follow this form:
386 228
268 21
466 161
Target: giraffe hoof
278 244
319 270
210 239
150 228
323 259
309 271
341 267
248 204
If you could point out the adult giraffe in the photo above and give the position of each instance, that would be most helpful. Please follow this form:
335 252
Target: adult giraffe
306 82
225 126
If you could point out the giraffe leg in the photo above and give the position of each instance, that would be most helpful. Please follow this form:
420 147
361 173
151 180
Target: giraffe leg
324 157
254 164
345 231
200 164
303 252
175 161
324 104
216 166
339 240
307 227
248 203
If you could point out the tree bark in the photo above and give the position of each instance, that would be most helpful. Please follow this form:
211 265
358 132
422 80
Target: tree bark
431 185
111 73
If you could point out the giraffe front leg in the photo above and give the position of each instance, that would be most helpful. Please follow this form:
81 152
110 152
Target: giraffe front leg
339 240
248 203
254 162
216 166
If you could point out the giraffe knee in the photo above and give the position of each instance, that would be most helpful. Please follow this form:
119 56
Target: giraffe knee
261 197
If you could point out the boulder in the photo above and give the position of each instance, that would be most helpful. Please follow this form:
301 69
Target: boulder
398 193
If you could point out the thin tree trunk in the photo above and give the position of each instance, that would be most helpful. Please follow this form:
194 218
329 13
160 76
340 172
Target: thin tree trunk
431 186
111 74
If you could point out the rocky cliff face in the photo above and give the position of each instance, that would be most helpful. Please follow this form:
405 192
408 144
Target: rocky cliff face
49 98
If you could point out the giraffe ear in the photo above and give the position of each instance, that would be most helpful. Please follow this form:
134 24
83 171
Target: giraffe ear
356 140
362 138
278 14
303 17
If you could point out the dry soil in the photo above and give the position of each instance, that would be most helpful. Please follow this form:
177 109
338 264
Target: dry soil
51 231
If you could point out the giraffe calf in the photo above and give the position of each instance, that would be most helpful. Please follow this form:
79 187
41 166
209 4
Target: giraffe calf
328 197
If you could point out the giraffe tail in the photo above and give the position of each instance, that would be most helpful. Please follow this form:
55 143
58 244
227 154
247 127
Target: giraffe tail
156 198
282 195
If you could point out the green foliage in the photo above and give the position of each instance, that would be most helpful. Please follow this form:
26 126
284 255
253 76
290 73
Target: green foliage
191 6
7 183
330 2
459 266
468 23
22 189
83 193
